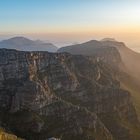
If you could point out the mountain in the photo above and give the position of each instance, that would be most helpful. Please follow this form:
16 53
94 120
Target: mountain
129 57
24 44
129 67
69 97
86 48
130 77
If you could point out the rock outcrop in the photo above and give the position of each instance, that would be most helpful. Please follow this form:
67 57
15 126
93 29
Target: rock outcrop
7 136
44 95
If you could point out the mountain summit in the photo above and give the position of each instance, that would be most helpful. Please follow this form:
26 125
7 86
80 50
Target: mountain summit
108 39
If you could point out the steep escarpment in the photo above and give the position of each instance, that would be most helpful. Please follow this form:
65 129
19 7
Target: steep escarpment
98 90
108 49
45 95
29 107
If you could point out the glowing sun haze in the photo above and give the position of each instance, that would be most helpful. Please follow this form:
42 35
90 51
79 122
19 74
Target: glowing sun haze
68 21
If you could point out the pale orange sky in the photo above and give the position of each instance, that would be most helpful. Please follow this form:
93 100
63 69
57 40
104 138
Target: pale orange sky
62 37
66 22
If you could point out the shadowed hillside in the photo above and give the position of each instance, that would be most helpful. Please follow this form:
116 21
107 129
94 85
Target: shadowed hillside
129 67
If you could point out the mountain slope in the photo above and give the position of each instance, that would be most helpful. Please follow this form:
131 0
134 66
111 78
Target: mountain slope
129 57
24 44
129 75
64 96
87 48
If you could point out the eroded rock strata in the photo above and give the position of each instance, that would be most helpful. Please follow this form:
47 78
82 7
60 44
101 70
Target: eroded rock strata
69 97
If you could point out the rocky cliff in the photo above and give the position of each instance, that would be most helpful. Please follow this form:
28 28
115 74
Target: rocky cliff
69 97
107 50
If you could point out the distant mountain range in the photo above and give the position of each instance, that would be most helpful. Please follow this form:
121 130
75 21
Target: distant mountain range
25 44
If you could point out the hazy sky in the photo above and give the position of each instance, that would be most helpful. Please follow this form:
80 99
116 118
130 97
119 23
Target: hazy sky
70 21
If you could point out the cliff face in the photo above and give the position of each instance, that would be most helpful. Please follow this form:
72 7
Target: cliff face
45 95
129 65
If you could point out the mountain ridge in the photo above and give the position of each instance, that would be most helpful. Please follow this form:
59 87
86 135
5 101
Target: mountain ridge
128 67
25 44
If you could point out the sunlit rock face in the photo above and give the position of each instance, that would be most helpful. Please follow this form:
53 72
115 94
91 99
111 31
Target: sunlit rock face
7 136
68 97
